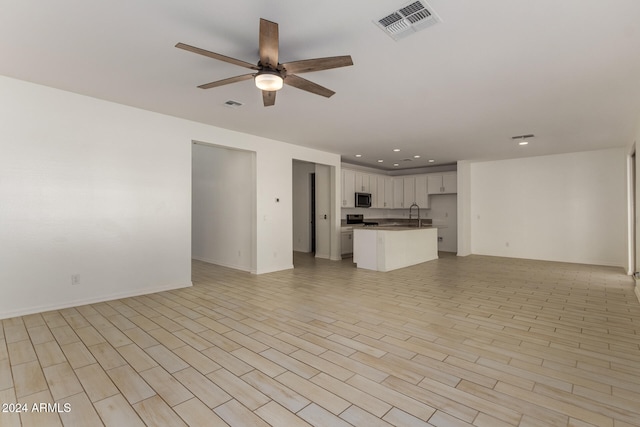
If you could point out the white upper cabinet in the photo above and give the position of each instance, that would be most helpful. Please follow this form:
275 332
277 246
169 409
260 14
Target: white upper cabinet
445 183
363 184
450 182
422 196
373 189
384 199
348 188
409 191
398 193
415 191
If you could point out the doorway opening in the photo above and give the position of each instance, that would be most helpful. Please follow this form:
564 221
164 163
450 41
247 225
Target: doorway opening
223 208
313 209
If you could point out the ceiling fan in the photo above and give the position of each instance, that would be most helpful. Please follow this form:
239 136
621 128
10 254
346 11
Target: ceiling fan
271 75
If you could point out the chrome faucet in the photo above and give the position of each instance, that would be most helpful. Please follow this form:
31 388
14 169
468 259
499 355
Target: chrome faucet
410 213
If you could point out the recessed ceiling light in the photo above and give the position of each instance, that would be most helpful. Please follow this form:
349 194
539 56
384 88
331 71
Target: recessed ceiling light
380 161
396 164
416 157
396 149
358 155
522 139
431 161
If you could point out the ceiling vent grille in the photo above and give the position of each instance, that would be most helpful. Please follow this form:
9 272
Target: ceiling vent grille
233 104
413 17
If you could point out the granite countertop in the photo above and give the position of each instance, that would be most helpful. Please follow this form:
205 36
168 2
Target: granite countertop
394 227
391 224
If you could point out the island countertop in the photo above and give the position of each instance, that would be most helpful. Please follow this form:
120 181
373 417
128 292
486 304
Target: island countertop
393 227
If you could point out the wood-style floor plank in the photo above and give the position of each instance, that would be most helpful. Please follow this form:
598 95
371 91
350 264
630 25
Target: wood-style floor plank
459 341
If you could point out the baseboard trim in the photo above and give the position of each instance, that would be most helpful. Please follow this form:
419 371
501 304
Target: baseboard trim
222 264
275 270
81 302
595 262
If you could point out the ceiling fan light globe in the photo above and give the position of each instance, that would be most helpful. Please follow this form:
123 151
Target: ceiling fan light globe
269 82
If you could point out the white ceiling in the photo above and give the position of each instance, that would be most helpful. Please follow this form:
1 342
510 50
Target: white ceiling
567 71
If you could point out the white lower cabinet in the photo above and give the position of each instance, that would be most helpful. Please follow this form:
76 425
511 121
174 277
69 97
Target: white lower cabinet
346 243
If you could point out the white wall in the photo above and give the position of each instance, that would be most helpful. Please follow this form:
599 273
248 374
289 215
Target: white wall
302 205
569 207
103 190
88 188
223 208
464 208
443 212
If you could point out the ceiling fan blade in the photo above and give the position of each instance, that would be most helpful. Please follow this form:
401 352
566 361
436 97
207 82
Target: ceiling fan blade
226 81
300 83
268 97
217 56
308 65
268 44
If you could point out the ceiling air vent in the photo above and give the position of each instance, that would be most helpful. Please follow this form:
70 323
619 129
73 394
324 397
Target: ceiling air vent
233 104
413 17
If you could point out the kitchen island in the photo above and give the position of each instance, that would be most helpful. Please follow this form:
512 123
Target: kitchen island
390 248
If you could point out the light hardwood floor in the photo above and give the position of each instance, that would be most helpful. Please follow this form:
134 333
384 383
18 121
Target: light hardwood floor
480 341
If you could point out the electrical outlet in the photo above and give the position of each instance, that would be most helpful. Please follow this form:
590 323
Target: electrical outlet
75 279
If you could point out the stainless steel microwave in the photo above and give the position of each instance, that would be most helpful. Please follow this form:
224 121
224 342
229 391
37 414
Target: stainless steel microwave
363 200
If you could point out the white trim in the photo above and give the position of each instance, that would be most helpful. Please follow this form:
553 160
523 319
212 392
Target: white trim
274 270
631 250
235 267
222 264
81 302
